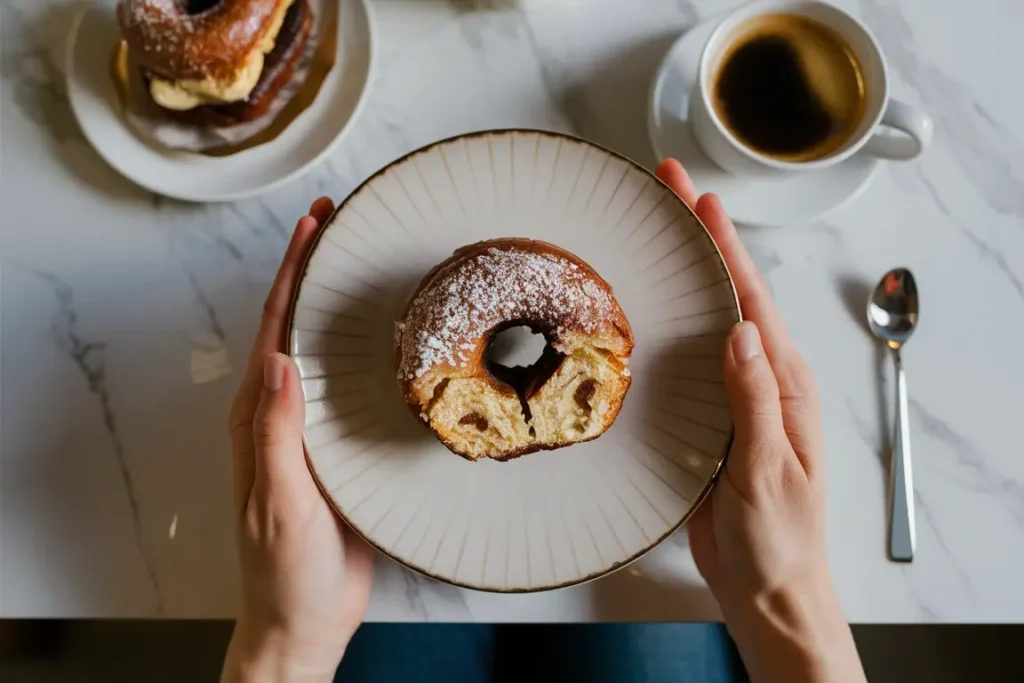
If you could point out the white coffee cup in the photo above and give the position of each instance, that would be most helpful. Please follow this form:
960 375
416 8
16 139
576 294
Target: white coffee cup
889 129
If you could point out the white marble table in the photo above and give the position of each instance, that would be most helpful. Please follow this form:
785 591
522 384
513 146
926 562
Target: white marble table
126 317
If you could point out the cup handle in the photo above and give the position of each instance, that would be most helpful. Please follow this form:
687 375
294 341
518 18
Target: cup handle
913 132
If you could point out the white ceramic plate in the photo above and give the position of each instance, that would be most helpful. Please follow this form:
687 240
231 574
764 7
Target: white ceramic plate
199 178
549 519
766 201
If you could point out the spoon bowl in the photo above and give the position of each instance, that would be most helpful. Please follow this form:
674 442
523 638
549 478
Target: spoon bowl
893 308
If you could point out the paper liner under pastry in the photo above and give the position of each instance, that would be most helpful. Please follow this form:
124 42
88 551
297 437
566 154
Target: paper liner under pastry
148 120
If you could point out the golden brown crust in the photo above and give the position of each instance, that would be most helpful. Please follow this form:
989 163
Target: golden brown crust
469 252
168 41
457 346
618 318
278 70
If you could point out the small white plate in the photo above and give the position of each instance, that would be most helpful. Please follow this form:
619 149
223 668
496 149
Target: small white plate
194 177
753 201
548 519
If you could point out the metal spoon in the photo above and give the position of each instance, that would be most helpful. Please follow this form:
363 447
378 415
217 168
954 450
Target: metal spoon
892 316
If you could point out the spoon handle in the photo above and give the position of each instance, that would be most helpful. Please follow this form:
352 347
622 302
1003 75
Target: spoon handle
901 483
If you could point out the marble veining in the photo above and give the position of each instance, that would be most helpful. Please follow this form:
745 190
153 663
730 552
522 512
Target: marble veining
990 158
981 476
89 358
984 249
203 301
127 317
924 512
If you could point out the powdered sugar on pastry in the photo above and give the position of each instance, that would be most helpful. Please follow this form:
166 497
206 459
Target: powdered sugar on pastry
469 298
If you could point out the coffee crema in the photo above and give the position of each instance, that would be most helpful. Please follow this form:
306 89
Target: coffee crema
789 88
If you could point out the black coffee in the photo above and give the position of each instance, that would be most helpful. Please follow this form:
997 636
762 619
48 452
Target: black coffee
790 88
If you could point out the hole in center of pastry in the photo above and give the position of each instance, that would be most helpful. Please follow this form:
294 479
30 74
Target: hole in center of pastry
517 346
523 358
199 6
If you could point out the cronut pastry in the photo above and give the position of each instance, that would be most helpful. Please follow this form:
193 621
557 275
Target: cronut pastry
215 62
480 409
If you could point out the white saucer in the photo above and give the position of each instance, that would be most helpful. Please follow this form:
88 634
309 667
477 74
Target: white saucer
753 201
194 177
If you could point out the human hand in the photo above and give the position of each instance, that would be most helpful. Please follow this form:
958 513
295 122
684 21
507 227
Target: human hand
759 541
305 576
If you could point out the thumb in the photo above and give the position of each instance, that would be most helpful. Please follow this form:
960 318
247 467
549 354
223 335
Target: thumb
278 425
753 397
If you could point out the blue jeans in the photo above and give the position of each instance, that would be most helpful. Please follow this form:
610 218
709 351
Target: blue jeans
601 653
